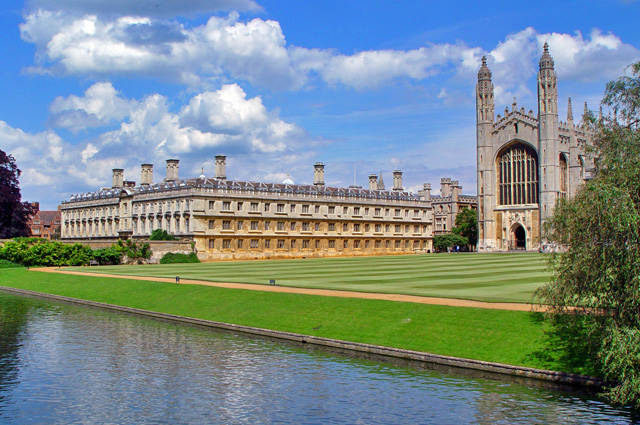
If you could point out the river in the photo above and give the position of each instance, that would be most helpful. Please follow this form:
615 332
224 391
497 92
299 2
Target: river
67 364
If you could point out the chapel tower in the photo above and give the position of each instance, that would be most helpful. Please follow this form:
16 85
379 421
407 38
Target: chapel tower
485 169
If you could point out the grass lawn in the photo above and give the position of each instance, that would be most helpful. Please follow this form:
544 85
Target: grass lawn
492 335
482 277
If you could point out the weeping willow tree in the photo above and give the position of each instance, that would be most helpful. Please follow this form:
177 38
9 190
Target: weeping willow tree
599 272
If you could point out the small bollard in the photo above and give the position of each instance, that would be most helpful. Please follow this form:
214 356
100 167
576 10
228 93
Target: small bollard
177 279
272 282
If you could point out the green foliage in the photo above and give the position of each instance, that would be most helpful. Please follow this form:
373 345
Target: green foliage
6 264
161 235
174 258
450 240
40 252
14 214
467 225
135 252
110 255
599 273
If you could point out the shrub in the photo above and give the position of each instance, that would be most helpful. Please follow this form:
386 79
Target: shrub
5 264
40 252
161 235
173 258
135 252
109 255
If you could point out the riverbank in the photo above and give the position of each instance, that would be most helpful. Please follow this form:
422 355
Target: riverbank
508 337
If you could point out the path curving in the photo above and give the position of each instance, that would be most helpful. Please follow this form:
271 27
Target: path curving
453 302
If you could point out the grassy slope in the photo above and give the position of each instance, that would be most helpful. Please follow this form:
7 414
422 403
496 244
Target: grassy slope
491 335
484 277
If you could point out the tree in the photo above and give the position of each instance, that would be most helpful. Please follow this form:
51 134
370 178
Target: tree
467 225
14 214
448 240
161 235
598 274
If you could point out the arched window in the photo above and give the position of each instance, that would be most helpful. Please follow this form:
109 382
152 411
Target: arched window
564 176
517 175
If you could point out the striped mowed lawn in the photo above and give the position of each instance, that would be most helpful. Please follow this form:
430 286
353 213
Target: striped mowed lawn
510 277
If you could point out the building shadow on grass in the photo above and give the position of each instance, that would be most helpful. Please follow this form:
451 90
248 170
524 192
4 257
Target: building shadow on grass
569 344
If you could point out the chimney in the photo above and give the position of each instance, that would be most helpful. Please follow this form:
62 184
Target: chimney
425 193
146 174
445 187
318 174
118 178
373 182
397 180
456 190
172 170
221 167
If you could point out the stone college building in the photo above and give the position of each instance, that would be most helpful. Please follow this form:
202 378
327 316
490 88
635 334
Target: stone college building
525 163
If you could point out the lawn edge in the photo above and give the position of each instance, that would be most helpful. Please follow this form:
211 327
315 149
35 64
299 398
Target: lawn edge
479 365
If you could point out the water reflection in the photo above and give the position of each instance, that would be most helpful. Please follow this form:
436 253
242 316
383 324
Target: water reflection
68 364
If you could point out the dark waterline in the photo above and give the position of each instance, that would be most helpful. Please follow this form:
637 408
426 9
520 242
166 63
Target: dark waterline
74 365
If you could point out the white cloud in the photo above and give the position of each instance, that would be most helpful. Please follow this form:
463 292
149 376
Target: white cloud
100 105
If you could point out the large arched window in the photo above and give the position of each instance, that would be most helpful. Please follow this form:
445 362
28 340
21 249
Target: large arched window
564 176
517 175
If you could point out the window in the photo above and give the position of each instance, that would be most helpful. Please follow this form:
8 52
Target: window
36 221
267 225
267 243
239 225
345 227
212 243
517 175
212 224
332 243
305 244
356 227
356 244
416 213
406 228
293 225
280 225
345 244
317 244
366 211
240 205
398 230
345 210
416 228
226 244
387 228
387 244
366 244
332 210
254 225
416 244
267 207
564 178
398 244
406 213
280 243
378 244
332 227
253 206
212 204
317 209
226 206
317 227
377 211
293 243
305 227
356 210
226 225
280 208
292 208
397 212
240 243
254 243
305 209
366 227
378 228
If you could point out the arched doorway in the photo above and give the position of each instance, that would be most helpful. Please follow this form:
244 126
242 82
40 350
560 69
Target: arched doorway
519 237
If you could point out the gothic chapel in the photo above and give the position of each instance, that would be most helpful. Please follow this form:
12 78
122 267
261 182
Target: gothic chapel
525 163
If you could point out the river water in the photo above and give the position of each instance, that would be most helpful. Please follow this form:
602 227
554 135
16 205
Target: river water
65 364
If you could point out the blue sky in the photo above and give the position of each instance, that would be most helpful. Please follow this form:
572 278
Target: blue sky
363 86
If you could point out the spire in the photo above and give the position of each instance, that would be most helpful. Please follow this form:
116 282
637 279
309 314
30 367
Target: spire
546 61
380 182
569 112
484 74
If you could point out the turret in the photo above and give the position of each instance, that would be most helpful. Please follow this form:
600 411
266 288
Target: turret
425 193
445 187
548 152
456 190
146 175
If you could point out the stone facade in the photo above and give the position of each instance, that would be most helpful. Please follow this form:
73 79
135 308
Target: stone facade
447 205
525 163
229 219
